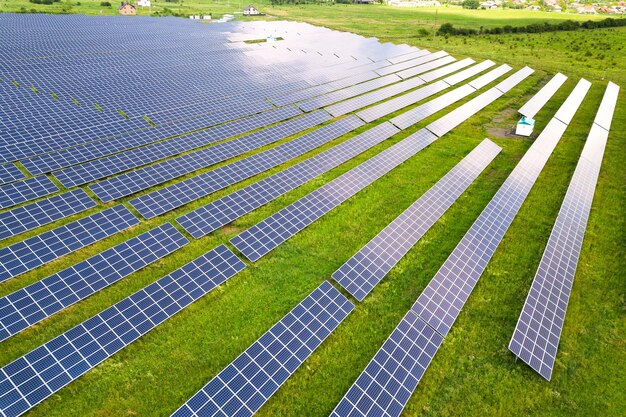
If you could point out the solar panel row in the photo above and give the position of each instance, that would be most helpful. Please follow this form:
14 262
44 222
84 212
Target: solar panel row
42 299
420 69
40 373
567 110
253 377
363 271
538 330
168 198
10 173
120 162
141 179
22 191
33 215
410 63
220 212
448 69
532 107
41 249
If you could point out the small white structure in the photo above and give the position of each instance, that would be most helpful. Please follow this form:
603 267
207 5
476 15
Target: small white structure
206 17
250 11
143 3
415 3
525 126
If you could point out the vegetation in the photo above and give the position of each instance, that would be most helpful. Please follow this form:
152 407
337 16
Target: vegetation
473 374
568 25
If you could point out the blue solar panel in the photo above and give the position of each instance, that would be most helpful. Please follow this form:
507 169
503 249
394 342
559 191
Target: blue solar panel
386 384
220 212
251 379
149 176
40 300
10 173
41 249
31 216
40 373
120 162
168 198
21 191
363 271
271 232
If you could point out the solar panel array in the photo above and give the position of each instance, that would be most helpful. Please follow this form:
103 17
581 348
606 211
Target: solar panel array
168 198
253 377
532 107
365 269
390 378
22 191
38 250
220 212
141 179
567 110
28 217
10 173
40 373
538 330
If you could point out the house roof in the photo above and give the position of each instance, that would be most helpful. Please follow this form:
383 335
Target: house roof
250 7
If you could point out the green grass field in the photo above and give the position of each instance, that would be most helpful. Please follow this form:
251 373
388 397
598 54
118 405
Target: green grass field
473 373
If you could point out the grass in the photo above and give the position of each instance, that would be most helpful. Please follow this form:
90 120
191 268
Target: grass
473 373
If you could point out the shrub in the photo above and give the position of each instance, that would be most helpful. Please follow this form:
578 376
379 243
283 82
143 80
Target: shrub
470 4
105 3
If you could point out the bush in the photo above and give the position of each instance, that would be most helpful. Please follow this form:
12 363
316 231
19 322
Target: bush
470 4
105 3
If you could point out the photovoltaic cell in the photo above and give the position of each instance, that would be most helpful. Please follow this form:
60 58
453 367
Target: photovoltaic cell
406 57
271 232
10 173
444 297
363 271
469 72
42 299
386 384
514 79
249 381
568 108
141 179
22 191
420 69
532 107
220 212
176 195
40 373
480 82
538 330
43 248
31 216
411 63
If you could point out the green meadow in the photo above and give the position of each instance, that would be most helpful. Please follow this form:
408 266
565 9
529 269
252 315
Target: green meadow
473 373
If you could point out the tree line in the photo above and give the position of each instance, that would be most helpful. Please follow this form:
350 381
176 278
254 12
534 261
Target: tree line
567 25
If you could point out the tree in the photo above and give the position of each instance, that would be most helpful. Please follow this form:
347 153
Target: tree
471 4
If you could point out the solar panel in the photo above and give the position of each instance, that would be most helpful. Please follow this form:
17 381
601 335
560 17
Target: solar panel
469 72
514 79
607 106
419 113
271 232
372 113
220 212
538 330
45 370
406 57
448 69
363 271
141 179
568 108
532 107
253 377
364 100
482 81
330 98
10 173
444 297
45 247
42 299
22 191
176 195
457 116
420 69
119 162
411 63
31 216
386 384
